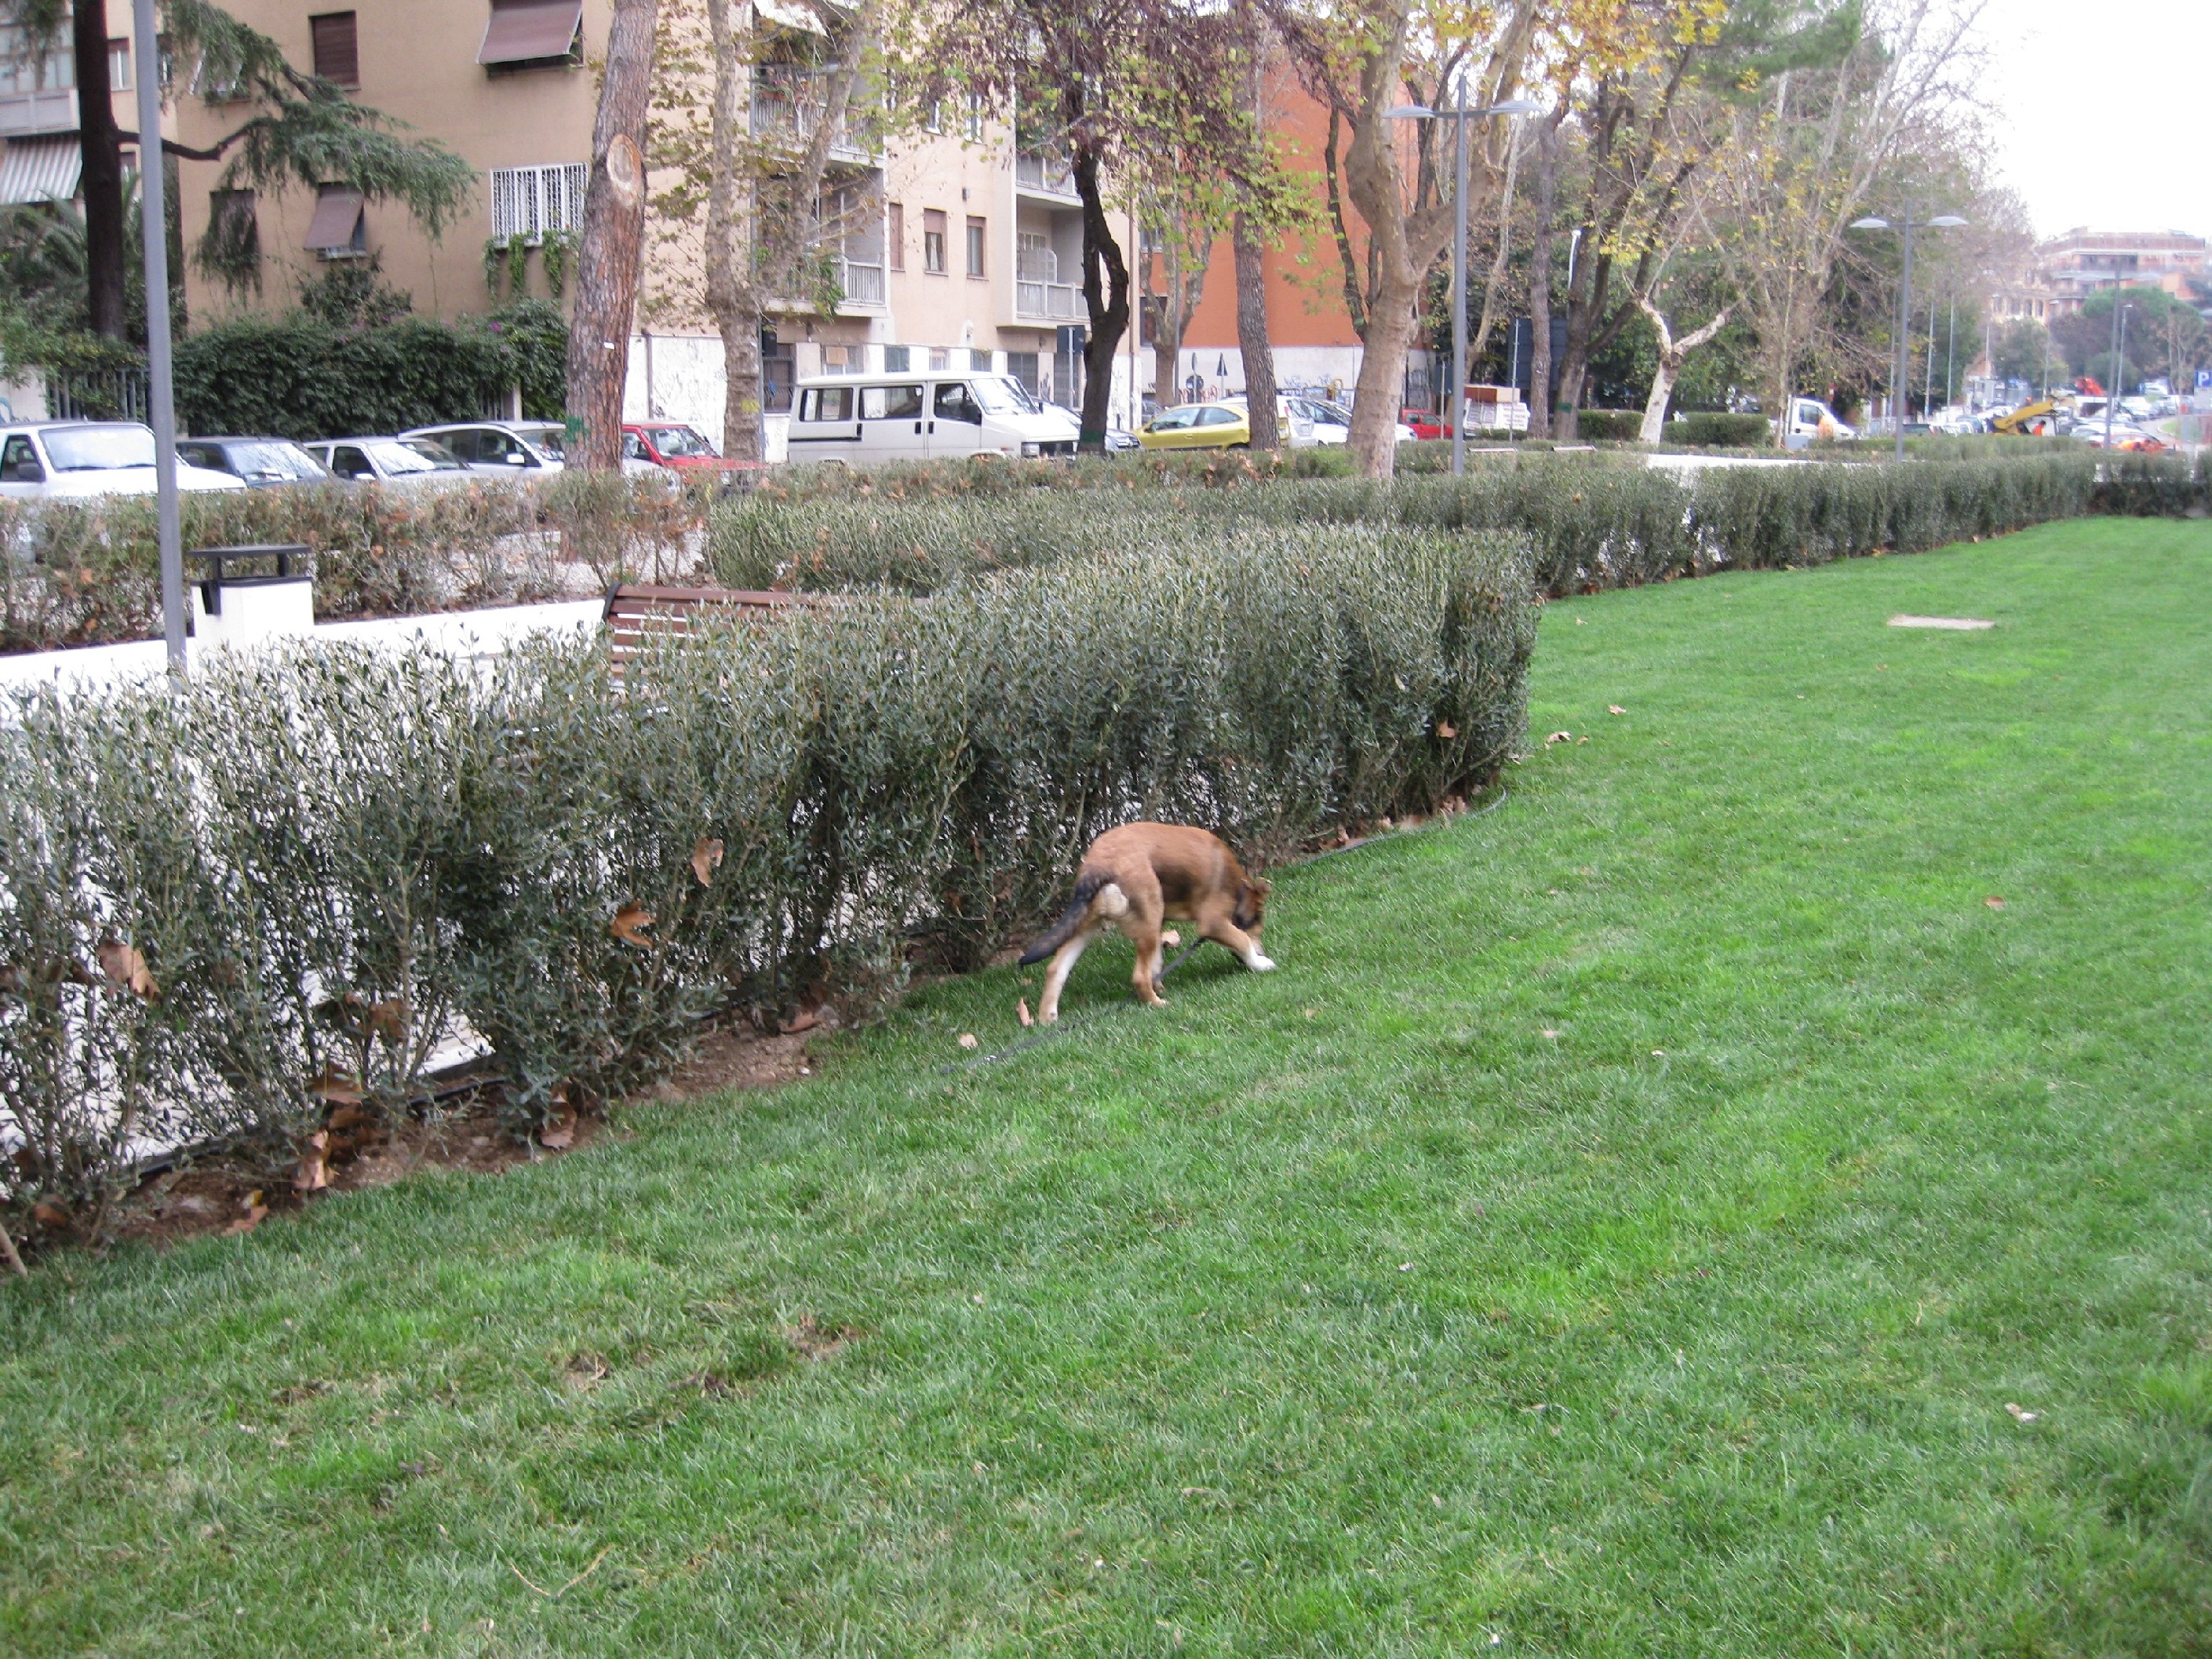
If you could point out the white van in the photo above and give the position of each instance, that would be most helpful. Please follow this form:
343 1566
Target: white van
863 419
1811 420
53 459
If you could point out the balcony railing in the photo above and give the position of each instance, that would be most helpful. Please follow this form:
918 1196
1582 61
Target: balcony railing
864 284
787 107
1055 301
1048 175
51 109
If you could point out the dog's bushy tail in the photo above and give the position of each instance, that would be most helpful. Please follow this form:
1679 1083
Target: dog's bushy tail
1086 889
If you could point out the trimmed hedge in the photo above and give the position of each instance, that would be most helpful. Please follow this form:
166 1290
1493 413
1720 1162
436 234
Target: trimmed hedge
1592 521
228 906
1712 430
299 376
88 572
1609 425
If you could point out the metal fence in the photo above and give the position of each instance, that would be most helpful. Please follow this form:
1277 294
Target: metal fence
105 394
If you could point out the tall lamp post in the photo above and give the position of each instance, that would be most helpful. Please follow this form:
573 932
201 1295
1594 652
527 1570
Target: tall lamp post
1906 224
160 396
2119 363
1459 116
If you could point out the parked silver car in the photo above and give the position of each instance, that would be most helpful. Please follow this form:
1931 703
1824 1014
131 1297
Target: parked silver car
403 463
509 448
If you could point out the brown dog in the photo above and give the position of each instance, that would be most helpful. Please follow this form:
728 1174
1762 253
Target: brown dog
1136 877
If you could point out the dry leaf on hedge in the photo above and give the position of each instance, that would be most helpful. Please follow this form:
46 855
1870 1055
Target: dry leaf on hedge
561 1133
705 857
630 924
123 963
1446 729
388 1019
337 1088
51 1216
311 1176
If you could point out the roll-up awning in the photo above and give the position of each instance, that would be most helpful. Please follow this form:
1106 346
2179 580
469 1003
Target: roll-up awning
522 31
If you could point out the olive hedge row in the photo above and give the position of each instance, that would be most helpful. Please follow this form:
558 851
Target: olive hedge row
1592 522
229 906
88 572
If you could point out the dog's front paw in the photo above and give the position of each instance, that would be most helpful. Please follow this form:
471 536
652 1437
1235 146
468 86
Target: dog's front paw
1262 964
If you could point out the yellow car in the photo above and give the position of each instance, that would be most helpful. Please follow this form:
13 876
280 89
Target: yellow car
1222 425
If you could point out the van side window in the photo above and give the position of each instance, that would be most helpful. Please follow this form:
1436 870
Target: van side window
890 402
350 463
955 403
19 463
826 403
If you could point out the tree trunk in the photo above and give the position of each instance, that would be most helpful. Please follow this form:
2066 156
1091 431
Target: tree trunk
1252 334
1585 307
1105 297
1655 406
733 295
1540 287
101 145
610 250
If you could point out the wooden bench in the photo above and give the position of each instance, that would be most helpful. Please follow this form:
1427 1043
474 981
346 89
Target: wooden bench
638 614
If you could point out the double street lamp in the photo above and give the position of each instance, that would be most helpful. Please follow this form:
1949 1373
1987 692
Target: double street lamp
1906 224
2119 363
1459 118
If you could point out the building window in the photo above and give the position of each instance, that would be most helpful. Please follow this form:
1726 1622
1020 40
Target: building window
975 118
1024 366
940 359
339 229
932 242
934 120
976 243
897 231
336 48
530 35
530 202
979 359
118 66
896 360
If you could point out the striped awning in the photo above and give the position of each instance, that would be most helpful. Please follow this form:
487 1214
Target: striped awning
40 170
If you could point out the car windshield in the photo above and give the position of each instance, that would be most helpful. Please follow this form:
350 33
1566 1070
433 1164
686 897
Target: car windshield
274 462
98 448
1000 395
681 443
547 439
396 456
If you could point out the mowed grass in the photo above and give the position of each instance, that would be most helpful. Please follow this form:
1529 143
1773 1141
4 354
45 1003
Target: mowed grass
1623 1225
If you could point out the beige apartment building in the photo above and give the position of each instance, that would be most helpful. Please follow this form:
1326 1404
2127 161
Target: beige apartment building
958 252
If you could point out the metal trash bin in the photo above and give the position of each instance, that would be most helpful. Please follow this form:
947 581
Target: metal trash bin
242 595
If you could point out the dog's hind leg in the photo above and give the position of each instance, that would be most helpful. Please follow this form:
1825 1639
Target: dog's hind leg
1063 964
1145 976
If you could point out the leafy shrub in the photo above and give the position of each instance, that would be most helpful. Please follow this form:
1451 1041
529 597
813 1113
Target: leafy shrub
227 908
87 571
1609 425
301 376
1709 429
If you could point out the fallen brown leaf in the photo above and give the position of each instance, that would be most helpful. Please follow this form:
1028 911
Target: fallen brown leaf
252 1211
123 963
2020 1415
310 1175
806 1020
561 1133
967 1040
51 1216
630 924
1446 729
388 1019
705 858
1558 737
1994 903
1022 1011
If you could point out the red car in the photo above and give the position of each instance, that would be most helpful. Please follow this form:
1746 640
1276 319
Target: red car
672 444
1426 423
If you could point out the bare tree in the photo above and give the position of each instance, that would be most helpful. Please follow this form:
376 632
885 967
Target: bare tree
1673 354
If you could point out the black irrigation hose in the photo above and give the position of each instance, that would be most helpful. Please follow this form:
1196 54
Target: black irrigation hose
1054 1030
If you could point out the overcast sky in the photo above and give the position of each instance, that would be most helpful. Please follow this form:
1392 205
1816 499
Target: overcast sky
2103 111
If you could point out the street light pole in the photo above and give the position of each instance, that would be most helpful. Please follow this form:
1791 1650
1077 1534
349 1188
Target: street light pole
161 392
2119 358
1459 116
1901 388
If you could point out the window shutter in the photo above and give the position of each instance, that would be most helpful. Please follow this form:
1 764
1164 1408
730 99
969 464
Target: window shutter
337 48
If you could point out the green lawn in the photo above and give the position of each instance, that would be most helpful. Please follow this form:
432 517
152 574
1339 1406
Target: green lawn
1620 1227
